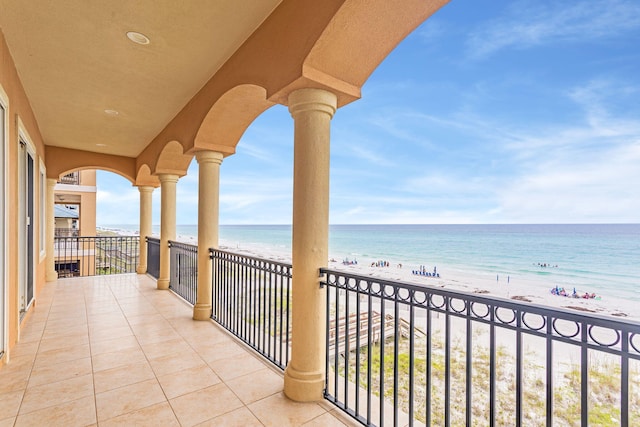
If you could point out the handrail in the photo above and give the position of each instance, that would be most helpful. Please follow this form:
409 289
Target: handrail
405 353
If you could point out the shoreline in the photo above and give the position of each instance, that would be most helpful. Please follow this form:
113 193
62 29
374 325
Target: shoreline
523 289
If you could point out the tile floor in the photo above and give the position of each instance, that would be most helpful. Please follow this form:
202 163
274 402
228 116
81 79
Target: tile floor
113 350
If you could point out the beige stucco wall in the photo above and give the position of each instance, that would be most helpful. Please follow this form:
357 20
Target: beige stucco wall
18 108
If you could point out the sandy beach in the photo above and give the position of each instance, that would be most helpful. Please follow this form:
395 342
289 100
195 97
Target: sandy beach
528 290
536 291
525 289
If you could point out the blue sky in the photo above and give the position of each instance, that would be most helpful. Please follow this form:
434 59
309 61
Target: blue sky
490 112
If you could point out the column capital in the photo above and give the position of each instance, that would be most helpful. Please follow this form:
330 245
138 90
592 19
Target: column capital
145 188
311 99
208 156
168 177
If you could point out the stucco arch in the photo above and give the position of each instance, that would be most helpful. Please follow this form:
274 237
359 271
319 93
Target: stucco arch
172 160
361 35
229 117
60 161
144 177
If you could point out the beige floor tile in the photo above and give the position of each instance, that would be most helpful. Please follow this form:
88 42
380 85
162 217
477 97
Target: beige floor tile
157 350
175 362
202 405
325 420
256 385
225 350
79 412
145 319
12 379
160 414
45 374
160 335
228 369
7 422
21 363
187 380
61 321
138 310
127 399
27 336
105 308
118 358
102 334
209 336
107 318
62 342
114 323
114 344
55 394
68 333
241 417
62 355
148 328
25 349
10 403
66 322
122 376
277 410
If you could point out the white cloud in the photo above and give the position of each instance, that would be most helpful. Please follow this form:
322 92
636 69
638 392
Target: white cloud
531 23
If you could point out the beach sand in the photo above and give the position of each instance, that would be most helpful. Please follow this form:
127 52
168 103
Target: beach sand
524 289
528 290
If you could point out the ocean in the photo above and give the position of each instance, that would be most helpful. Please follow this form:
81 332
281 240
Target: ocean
601 258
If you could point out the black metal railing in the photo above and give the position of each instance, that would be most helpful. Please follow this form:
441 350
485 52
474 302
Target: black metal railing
252 299
404 354
92 256
66 232
153 257
72 178
184 270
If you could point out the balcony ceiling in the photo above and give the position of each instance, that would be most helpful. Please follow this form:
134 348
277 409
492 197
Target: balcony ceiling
76 63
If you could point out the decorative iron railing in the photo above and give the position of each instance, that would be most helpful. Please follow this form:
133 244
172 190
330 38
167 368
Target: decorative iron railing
92 256
72 178
404 354
184 270
252 299
66 232
153 257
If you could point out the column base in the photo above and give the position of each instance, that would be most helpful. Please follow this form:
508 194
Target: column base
202 311
142 269
303 386
162 284
51 276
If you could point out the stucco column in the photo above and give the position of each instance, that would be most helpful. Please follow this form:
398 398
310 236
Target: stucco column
167 225
146 200
50 270
312 110
208 214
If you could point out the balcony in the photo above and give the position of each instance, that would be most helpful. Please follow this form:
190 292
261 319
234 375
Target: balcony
70 179
114 350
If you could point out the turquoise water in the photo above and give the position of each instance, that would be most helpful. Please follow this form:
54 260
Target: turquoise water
604 258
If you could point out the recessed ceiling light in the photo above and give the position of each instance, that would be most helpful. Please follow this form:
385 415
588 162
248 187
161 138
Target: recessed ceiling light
138 37
111 112
101 145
